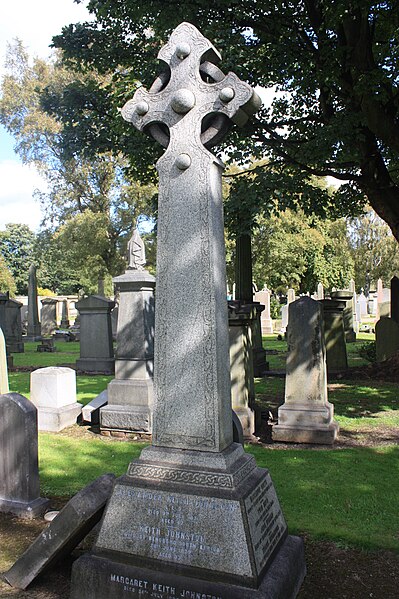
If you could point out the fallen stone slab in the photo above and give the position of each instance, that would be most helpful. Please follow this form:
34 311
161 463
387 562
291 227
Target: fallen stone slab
64 533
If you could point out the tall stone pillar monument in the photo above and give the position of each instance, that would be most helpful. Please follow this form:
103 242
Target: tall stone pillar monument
194 516
34 329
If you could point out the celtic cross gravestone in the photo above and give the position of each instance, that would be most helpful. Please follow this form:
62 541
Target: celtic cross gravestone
194 516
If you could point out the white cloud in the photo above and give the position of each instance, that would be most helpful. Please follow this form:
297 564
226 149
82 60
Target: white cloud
17 205
35 23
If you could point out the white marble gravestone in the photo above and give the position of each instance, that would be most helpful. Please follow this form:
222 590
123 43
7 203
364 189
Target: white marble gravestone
306 415
53 391
193 516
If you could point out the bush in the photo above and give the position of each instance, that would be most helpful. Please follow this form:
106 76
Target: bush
368 351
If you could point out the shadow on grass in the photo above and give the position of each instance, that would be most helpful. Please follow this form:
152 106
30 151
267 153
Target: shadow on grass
346 495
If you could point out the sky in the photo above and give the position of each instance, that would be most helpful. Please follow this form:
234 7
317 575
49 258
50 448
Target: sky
34 22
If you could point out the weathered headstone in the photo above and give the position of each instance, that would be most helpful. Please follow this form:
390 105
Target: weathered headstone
34 329
64 532
130 393
3 365
19 472
320 291
334 335
194 504
241 367
49 315
53 392
306 415
13 332
386 338
263 297
346 297
96 349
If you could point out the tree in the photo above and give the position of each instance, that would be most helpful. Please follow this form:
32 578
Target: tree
374 249
97 188
333 66
7 282
292 250
17 248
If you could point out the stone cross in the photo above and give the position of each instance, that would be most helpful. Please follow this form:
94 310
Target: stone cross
188 110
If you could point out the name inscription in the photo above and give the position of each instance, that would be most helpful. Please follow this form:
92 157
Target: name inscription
156 590
178 528
266 521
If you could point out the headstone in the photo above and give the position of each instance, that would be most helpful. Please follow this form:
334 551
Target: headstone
284 318
362 300
130 393
346 296
34 330
13 330
263 297
64 314
49 315
352 286
241 367
53 392
320 291
395 298
114 319
63 534
384 308
306 415
194 502
19 472
3 365
290 296
96 349
386 338
334 335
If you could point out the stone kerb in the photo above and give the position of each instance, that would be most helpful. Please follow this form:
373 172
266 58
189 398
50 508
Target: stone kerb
53 392
19 472
306 415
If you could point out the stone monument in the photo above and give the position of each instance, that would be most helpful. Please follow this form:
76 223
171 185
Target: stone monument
130 394
34 330
49 315
13 330
194 516
263 297
96 348
53 392
19 471
334 335
306 415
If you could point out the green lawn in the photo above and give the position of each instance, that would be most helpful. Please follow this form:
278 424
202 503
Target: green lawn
346 495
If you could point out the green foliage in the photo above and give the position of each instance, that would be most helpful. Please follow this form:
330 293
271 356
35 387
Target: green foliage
290 249
332 68
17 248
368 351
375 250
7 282
78 186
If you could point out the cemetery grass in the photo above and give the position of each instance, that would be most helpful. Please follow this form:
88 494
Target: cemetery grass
342 500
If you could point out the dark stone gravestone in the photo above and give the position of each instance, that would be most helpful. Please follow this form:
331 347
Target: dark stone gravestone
194 516
96 349
334 335
63 533
19 473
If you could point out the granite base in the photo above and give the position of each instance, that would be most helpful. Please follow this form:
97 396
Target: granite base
290 434
100 577
56 419
126 419
25 509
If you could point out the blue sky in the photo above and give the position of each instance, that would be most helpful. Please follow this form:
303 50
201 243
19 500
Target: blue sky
34 22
